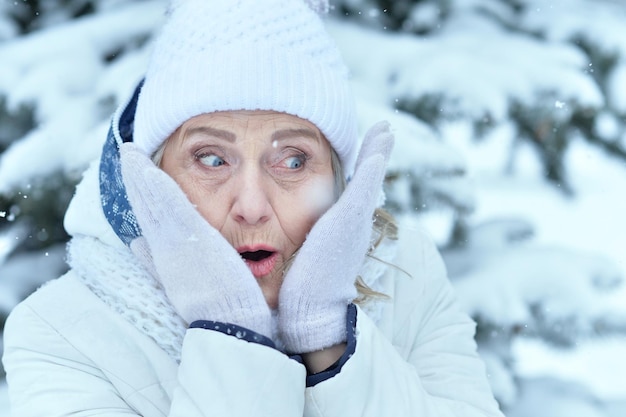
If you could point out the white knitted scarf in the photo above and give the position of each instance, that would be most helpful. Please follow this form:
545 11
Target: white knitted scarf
115 276
120 281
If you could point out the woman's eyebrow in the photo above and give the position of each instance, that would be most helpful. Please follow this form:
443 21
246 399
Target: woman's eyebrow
295 133
211 131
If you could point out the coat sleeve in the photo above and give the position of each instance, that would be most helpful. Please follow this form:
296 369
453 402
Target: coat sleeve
426 367
51 373
48 376
221 375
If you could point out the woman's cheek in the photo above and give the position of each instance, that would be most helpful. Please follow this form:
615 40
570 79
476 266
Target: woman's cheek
318 196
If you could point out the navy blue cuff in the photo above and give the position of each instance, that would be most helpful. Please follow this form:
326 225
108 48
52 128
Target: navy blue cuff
335 368
233 330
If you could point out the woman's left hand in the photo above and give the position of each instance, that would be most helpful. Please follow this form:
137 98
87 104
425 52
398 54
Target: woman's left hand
320 284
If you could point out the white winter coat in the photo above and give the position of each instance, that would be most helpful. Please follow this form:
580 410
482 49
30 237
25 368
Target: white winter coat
73 350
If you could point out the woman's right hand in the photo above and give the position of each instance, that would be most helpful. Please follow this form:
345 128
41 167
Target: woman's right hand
202 274
319 285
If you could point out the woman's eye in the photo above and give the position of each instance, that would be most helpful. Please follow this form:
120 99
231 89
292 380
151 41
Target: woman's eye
295 162
211 160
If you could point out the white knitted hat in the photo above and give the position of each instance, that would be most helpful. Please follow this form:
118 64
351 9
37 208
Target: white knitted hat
220 55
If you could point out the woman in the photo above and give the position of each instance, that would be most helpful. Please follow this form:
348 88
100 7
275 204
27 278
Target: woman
227 255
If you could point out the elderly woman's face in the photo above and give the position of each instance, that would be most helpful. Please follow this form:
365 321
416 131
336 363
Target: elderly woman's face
261 178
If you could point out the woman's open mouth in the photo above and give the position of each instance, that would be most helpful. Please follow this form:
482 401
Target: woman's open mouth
260 261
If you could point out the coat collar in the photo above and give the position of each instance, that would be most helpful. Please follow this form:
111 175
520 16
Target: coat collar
100 206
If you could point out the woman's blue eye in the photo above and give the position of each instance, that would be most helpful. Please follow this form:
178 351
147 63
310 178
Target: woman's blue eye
294 162
211 160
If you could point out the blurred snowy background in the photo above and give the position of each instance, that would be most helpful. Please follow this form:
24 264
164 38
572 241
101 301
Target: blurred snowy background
510 118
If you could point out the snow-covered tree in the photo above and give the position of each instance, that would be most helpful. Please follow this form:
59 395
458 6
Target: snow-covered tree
511 88
526 80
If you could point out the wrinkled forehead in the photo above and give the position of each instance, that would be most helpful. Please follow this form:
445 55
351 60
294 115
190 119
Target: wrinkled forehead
263 125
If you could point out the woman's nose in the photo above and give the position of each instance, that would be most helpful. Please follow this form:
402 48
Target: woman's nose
251 203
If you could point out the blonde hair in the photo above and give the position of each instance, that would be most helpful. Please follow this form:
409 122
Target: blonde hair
384 225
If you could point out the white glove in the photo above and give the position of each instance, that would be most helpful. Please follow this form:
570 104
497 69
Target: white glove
320 284
202 274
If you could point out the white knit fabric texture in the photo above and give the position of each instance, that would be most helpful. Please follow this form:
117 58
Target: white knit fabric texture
119 280
319 6
247 55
